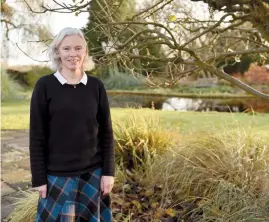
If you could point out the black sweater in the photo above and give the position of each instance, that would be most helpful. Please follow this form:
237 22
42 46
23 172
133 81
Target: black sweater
70 129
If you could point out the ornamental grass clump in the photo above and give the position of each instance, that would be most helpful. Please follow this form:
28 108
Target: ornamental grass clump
25 207
139 138
221 176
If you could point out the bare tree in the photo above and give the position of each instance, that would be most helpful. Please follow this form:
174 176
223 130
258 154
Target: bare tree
191 45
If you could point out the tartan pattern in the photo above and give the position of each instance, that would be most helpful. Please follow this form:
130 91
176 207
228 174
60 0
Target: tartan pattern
74 199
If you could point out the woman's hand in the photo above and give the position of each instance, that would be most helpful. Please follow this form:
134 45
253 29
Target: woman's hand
107 183
42 190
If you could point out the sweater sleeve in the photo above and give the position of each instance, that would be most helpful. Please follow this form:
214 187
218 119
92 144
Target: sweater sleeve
38 123
106 139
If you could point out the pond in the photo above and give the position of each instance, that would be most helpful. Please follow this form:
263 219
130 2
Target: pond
189 104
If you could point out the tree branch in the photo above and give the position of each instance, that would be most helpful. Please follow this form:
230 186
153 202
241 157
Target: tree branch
245 52
207 30
8 22
70 9
148 23
223 75
235 82
29 56
246 39
156 10
146 31
147 9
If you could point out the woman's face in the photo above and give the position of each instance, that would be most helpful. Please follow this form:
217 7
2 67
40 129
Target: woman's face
72 51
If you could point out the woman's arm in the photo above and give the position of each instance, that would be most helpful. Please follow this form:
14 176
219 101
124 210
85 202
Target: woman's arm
106 139
38 132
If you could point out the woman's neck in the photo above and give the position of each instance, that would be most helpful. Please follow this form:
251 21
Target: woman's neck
72 76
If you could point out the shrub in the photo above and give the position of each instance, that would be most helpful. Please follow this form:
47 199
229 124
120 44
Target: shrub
223 82
10 89
18 76
119 80
28 76
35 73
100 71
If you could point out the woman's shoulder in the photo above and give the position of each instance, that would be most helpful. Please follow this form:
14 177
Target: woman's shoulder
45 79
94 79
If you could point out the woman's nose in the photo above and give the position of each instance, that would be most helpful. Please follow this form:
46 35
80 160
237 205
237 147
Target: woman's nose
73 52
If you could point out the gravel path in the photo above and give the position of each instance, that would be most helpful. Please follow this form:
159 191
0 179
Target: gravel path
15 165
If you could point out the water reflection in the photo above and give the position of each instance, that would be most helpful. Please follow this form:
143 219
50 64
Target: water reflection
186 104
182 104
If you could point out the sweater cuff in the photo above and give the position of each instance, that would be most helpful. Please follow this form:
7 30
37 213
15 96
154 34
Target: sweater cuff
108 173
39 182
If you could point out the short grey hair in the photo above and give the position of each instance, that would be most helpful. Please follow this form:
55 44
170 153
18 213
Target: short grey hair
55 61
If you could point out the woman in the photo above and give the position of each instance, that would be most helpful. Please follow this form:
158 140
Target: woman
71 137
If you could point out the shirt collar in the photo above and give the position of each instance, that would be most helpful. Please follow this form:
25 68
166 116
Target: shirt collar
63 81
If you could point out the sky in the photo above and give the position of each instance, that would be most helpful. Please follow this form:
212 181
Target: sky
59 21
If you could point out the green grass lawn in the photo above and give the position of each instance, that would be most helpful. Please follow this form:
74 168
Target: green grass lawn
15 115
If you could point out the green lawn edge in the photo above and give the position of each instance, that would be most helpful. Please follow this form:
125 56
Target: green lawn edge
185 95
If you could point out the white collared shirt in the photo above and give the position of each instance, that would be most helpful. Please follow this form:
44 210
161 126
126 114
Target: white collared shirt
62 80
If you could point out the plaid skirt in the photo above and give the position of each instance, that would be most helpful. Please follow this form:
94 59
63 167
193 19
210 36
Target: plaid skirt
73 199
